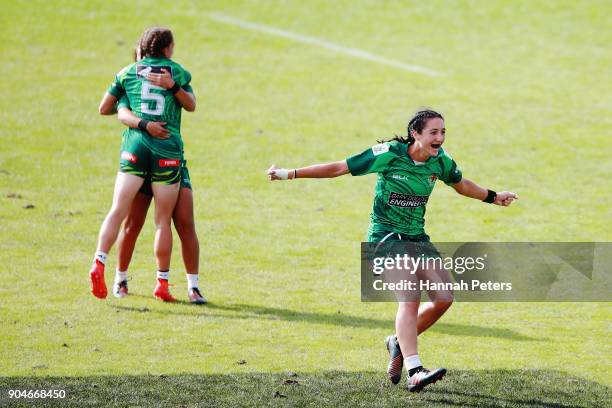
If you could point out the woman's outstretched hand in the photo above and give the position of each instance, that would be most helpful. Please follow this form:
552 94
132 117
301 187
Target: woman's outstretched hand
505 198
276 173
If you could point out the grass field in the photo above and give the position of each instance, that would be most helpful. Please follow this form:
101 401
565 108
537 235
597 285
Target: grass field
527 96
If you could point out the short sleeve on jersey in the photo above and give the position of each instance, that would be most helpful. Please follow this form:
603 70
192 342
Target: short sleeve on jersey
372 160
450 172
116 89
187 81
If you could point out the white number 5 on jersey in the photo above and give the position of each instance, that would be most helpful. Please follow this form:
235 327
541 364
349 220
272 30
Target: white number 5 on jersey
146 96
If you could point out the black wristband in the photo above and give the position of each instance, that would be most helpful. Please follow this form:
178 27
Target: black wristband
491 196
294 174
175 88
142 125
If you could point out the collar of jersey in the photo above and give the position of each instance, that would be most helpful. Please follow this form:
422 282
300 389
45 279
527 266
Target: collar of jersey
423 163
152 59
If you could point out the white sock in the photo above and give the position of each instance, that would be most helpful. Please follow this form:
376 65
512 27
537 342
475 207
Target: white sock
412 362
101 256
163 275
120 276
192 281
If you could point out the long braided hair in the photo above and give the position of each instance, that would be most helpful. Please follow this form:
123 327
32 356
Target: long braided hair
153 41
417 123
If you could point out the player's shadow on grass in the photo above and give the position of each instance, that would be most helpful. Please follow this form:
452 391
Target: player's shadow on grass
340 319
178 301
245 311
520 388
460 388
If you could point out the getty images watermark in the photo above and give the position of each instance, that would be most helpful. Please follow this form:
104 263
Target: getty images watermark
507 272
411 265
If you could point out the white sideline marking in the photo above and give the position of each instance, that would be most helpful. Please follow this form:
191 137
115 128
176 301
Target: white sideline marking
352 52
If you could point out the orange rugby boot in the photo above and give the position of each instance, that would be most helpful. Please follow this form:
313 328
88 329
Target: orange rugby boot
162 291
96 279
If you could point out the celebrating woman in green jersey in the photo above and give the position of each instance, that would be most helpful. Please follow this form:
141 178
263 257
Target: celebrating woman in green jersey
157 89
183 215
407 170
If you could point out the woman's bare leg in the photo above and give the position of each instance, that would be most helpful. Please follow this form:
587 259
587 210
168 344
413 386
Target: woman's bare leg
412 320
430 312
165 199
441 300
185 226
406 327
126 187
127 241
131 229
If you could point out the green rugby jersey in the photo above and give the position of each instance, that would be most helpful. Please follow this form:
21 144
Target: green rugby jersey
151 102
403 186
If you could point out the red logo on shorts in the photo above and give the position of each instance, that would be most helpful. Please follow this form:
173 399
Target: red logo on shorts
169 162
433 178
129 157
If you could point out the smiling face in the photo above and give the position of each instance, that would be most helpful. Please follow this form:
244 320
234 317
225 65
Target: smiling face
431 138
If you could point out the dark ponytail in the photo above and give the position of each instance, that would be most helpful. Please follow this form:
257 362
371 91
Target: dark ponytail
417 123
402 139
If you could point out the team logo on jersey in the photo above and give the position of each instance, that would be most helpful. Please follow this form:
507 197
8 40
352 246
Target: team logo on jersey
131 157
169 163
407 200
433 178
380 149
143 70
